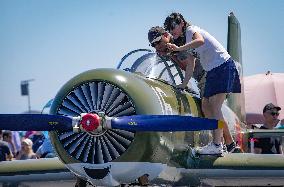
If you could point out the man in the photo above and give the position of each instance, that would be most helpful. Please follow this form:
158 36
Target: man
8 137
45 150
5 152
269 145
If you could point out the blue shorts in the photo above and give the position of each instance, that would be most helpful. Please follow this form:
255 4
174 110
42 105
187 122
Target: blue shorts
222 79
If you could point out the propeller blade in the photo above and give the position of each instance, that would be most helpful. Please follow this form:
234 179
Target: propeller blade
90 122
37 122
164 123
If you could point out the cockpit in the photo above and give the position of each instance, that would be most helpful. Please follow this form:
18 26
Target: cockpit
150 65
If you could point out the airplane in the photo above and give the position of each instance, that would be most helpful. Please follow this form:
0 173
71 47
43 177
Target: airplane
131 125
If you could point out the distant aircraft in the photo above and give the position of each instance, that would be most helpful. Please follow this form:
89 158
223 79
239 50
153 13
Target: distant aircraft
120 126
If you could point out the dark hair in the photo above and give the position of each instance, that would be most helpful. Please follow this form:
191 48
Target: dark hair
176 18
6 133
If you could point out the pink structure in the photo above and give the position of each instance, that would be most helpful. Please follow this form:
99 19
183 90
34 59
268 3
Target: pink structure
261 89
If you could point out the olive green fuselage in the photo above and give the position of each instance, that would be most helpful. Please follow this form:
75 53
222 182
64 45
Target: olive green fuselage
149 97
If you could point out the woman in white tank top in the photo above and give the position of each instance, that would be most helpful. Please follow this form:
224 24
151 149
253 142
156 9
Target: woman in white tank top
222 76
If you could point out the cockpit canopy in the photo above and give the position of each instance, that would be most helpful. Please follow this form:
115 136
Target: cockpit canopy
150 65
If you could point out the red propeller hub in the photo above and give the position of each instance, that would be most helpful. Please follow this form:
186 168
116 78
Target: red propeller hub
90 122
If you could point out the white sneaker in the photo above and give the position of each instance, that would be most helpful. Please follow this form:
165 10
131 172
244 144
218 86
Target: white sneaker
210 149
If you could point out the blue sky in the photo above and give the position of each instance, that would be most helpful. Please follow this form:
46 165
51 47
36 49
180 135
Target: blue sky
51 41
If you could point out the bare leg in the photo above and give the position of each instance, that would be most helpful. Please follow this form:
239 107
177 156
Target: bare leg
206 108
216 102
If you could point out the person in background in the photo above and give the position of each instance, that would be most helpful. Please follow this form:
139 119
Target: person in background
26 151
280 125
222 75
5 152
269 145
8 137
46 149
17 141
37 139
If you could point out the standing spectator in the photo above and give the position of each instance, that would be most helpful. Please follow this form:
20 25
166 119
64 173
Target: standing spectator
17 141
45 150
8 137
269 145
37 139
5 152
26 151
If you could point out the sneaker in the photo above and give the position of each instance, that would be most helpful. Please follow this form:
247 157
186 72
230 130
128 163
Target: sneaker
210 149
233 148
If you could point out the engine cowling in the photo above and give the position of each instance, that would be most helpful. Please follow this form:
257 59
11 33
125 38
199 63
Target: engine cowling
96 156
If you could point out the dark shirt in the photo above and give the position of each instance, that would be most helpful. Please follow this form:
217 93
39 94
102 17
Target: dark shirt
268 145
4 150
37 140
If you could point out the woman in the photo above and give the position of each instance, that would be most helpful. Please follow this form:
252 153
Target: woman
26 151
222 76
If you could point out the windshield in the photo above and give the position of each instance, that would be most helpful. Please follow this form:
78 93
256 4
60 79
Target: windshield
149 64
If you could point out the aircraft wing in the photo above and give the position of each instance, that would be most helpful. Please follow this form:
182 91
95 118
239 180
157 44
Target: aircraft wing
35 170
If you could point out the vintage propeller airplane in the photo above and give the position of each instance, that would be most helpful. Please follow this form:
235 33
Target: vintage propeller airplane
113 126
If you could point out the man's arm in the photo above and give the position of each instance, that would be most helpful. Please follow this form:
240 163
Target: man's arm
9 157
190 64
39 151
9 154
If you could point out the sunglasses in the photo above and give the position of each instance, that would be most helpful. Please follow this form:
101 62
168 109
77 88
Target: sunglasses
274 113
156 41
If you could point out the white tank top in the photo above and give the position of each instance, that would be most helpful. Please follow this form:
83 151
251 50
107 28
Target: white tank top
212 54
